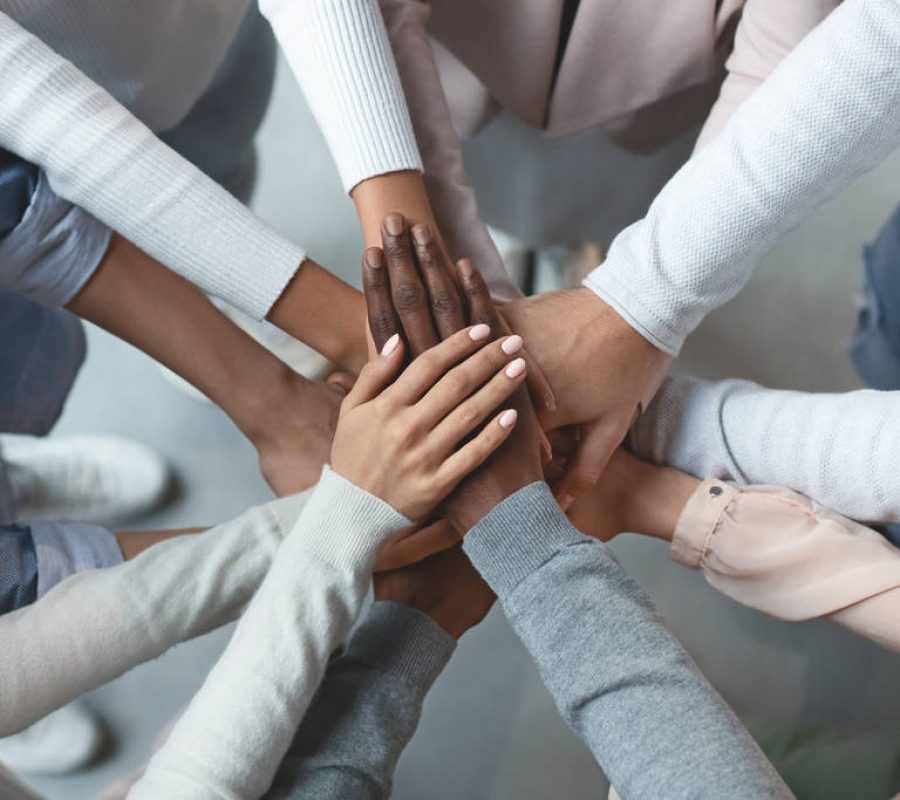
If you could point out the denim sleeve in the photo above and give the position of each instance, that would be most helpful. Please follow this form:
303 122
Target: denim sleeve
48 247
18 568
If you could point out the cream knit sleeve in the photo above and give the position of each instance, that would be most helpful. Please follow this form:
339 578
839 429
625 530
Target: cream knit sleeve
339 53
97 155
828 112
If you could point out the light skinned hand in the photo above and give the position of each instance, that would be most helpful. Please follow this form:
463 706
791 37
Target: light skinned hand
600 369
403 440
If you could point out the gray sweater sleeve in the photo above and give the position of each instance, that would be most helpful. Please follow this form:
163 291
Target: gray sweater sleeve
366 709
619 678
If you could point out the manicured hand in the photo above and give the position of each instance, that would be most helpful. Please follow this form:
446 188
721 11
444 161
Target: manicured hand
445 586
408 442
600 369
426 306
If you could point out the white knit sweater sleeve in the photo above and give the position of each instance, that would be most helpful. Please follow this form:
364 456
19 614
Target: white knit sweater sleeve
829 111
232 738
97 155
838 449
339 53
98 624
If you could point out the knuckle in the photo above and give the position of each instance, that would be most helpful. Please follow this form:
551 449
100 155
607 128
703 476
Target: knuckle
382 323
395 250
408 296
444 303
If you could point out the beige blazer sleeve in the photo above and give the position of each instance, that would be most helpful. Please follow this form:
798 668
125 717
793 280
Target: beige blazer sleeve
452 197
767 32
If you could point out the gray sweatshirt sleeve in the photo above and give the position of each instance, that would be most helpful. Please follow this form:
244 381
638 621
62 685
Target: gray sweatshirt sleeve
618 676
366 709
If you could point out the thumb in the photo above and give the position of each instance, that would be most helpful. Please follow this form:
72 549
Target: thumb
377 373
593 452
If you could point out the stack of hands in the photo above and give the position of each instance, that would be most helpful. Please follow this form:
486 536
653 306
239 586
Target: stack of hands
440 423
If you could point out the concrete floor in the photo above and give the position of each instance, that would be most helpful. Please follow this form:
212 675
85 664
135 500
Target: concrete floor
489 729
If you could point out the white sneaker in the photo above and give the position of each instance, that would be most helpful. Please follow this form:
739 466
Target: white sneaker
100 479
61 742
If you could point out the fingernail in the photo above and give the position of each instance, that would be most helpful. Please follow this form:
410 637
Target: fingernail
565 502
508 418
374 258
393 224
515 368
511 344
390 345
479 332
421 235
465 268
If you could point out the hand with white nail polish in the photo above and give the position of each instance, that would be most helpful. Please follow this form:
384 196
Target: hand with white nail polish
410 441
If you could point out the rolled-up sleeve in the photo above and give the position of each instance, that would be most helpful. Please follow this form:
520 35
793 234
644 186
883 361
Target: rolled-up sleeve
53 250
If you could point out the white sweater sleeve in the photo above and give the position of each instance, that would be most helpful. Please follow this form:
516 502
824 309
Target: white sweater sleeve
97 155
339 53
232 738
838 449
829 111
96 625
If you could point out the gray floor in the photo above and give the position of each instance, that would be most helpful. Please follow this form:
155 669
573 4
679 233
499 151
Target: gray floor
489 729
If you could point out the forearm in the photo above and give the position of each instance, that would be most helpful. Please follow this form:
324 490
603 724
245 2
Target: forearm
367 708
102 158
97 625
829 111
329 315
617 675
452 197
133 543
136 298
835 448
240 724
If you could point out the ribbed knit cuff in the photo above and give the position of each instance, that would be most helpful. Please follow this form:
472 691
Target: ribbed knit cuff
698 522
519 536
339 52
344 525
402 641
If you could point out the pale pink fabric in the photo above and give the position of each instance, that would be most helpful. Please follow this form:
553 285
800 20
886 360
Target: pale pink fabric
644 72
779 552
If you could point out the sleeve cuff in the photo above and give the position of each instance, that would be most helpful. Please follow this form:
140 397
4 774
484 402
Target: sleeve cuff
603 284
402 641
344 525
52 253
339 52
698 522
519 536
64 549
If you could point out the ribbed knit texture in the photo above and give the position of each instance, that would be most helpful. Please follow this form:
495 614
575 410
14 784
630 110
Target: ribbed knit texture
96 625
829 111
98 156
838 449
339 52
366 710
240 724
619 678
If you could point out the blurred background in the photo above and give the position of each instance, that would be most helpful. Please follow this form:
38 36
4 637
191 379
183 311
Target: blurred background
489 728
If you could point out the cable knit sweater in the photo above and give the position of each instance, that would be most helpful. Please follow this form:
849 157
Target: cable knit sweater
102 157
829 111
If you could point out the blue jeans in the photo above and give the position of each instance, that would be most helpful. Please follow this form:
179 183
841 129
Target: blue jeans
875 345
